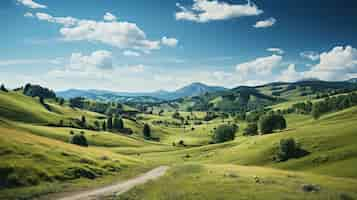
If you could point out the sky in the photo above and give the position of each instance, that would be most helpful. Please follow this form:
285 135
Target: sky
140 45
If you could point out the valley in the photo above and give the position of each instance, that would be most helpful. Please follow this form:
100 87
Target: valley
41 159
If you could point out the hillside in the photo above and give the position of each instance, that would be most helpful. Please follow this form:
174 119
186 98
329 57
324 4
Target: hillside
247 162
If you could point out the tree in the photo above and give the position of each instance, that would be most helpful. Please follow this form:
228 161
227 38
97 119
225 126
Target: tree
118 123
61 101
252 129
83 121
110 123
224 133
77 102
104 126
288 148
270 122
97 125
147 131
3 88
79 139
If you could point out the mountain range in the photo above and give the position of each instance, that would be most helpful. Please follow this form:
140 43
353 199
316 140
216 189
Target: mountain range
194 89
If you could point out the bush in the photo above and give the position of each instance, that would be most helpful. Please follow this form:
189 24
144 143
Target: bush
224 133
287 149
147 131
3 88
252 129
270 122
79 139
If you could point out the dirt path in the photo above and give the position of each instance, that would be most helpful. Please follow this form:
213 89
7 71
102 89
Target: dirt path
118 188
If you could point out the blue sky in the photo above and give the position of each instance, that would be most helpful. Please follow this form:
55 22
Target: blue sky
137 45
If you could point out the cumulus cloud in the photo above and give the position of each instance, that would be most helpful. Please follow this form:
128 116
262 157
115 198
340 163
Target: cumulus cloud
276 50
338 64
265 23
311 55
101 59
123 35
29 61
31 4
66 21
290 74
206 10
131 53
258 71
28 14
109 17
262 66
171 42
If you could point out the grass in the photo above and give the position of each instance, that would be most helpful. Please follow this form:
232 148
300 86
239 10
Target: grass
197 181
36 159
29 160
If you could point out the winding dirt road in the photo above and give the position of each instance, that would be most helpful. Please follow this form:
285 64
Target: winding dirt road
118 188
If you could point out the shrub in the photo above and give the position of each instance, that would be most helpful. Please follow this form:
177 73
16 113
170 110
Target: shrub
79 139
287 149
147 131
3 88
252 129
224 133
270 122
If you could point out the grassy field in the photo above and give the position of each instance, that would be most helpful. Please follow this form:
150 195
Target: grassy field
37 159
197 181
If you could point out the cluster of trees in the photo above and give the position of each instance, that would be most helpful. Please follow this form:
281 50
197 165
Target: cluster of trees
267 124
335 103
251 129
210 116
270 122
78 139
287 149
3 88
302 107
38 91
108 108
225 132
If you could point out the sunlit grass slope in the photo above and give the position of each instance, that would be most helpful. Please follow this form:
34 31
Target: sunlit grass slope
330 142
31 160
206 182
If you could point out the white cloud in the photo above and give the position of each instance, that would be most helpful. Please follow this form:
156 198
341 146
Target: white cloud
31 4
28 14
206 10
136 68
290 74
262 66
338 64
258 71
66 21
101 59
109 17
265 23
131 53
123 35
171 42
310 55
29 61
276 50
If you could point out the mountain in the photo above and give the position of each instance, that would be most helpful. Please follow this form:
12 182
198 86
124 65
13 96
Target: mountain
352 80
193 89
